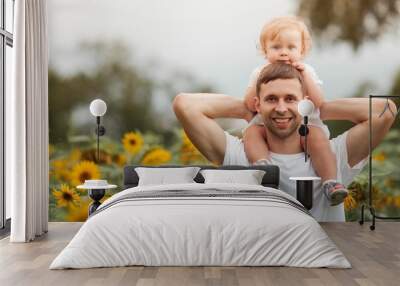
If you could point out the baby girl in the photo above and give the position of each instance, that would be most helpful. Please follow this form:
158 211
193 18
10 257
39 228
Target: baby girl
287 40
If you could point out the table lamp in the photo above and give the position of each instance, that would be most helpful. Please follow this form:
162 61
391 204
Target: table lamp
98 108
97 188
304 185
305 108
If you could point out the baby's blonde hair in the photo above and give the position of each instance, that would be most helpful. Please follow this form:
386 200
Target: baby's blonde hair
272 29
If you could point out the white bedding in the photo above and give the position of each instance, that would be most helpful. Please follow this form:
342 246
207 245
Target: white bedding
182 231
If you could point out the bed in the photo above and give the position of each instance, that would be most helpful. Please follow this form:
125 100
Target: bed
201 224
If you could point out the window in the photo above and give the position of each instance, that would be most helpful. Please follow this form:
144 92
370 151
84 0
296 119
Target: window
6 44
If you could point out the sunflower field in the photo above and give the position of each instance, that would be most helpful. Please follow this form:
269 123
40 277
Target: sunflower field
70 167
385 182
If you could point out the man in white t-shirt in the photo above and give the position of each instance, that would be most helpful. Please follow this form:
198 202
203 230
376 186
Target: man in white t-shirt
279 89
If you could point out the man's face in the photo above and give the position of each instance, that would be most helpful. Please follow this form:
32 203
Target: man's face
277 105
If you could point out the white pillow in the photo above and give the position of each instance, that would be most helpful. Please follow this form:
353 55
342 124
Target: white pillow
249 177
164 176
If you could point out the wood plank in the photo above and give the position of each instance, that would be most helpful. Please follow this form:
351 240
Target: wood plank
374 255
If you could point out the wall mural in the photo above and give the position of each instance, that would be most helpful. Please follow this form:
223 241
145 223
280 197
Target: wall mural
138 61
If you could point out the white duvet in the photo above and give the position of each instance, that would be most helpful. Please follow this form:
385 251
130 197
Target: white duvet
200 231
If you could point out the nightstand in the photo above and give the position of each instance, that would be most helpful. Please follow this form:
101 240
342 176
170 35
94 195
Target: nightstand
96 191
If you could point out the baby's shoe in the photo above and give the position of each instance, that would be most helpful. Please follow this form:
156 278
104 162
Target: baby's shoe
261 162
335 191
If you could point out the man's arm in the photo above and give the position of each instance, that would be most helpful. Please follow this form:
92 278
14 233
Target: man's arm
197 112
356 110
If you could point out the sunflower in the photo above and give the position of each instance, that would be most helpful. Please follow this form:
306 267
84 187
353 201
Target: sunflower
349 202
75 155
66 197
119 159
397 201
91 155
379 157
188 152
389 183
389 200
85 170
156 156
59 168
133 142
78 212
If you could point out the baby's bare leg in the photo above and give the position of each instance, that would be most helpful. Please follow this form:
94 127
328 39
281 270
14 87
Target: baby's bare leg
322 157
255 143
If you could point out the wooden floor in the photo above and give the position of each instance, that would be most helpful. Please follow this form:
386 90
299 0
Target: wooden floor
374 255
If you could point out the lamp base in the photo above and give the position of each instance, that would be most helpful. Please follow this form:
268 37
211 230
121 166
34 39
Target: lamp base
96 195
304 193
304 190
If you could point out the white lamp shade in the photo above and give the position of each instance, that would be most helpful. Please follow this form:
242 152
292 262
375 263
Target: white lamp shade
98 107
305 107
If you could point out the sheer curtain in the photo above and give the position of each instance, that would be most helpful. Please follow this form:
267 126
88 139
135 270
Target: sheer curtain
27 159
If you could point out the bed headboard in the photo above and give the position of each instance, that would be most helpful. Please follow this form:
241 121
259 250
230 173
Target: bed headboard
270 179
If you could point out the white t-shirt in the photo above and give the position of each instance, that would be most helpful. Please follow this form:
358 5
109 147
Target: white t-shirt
314 118
293 165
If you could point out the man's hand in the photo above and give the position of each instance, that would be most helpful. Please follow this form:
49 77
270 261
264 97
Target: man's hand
197 112
250 98
250 103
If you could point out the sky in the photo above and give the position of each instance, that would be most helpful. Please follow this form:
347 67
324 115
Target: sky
214 40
